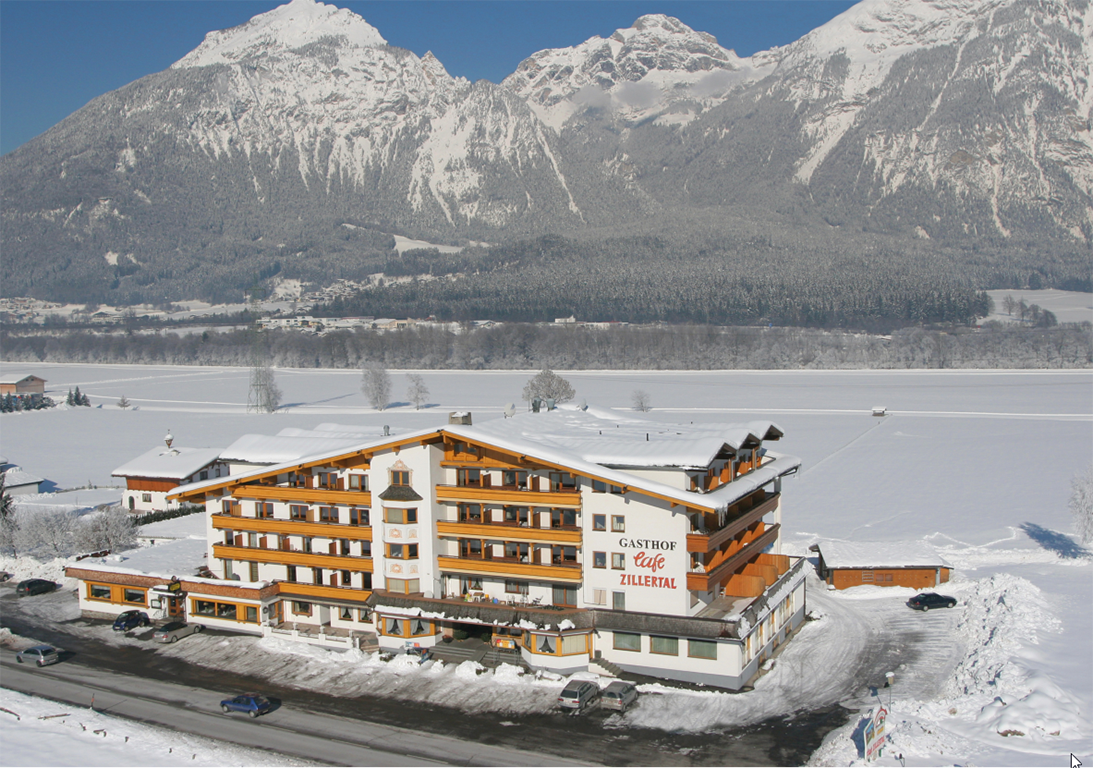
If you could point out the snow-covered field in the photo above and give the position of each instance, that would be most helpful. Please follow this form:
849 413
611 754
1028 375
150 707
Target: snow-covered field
976 463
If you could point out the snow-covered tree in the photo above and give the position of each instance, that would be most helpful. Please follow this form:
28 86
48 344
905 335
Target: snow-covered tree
376 385
549 386
124 402
1081 504
640 399
265 395
111 529
8 521
416 391
52 529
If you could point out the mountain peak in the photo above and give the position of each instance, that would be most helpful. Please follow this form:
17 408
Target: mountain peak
286 27
660 25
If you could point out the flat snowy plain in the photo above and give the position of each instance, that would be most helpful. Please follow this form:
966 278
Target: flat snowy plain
977 463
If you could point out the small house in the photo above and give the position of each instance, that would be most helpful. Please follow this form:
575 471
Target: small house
27 385
19 482
845 564
150 476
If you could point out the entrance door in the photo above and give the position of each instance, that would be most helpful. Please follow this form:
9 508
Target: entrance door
176 607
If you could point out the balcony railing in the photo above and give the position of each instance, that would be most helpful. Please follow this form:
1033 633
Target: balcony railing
308 495
702 582
708 542
497 494
291 589
498 531
274 526
498 566
293 557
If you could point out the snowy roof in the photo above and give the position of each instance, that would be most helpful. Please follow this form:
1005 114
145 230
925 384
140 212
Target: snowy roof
181 558
277 449
175 528
170 463
880 554
17 476
564 437
19 380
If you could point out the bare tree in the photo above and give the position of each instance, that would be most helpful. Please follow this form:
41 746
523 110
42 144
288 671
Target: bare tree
265 395
416 392
640 399
549 386
112 529
124 402
1081 504
52 529
376 385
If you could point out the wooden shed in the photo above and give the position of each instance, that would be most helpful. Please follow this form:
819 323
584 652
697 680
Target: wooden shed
914 564
28 385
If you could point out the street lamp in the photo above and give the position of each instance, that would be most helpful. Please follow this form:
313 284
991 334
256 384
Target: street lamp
890 679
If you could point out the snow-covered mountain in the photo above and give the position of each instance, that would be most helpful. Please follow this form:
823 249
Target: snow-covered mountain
303 134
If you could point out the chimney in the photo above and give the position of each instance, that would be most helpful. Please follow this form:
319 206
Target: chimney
460 417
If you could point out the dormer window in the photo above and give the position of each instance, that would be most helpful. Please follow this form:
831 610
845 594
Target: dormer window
400 477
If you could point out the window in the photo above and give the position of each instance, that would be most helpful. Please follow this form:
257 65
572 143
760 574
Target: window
618 561
393 627
251 614
599 597
358 516
328 514
544 643
400 477
468 477
205 607
574 644
618 523
291 576
346 614
560 481
599 559
307 544
98 592
599 486
563 595
264 509
347 579
627 641
402 551
146 497
618 601
254 571
668 646
419 627
227 506
703 649
363 614
229 572
400 586
599 522
134 596
301 608
204 474
470 513
225 611
514 479
400 516
358 482
297 512
366 549
516 587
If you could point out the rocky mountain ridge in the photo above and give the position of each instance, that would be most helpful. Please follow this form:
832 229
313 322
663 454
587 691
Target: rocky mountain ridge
297 143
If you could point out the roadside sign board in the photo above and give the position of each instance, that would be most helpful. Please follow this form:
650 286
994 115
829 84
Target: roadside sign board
874 733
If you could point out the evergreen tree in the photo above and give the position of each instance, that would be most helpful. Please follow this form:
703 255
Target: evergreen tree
71 399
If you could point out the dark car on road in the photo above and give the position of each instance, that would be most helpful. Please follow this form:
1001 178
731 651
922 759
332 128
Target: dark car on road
127 620
251 703
928 600
39 655
34 587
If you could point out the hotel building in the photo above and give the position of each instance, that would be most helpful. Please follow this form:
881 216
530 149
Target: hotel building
574 539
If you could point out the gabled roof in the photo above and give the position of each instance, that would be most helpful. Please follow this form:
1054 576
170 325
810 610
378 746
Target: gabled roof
17 476
564 439
880 554
168 463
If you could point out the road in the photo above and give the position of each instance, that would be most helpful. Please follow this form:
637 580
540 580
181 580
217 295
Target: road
138 682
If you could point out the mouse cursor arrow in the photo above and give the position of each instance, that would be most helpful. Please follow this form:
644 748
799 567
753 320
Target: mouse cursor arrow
1075 762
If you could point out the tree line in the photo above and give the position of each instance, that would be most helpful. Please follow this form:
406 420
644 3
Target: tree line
524 345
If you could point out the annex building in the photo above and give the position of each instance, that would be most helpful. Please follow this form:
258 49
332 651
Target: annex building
570 537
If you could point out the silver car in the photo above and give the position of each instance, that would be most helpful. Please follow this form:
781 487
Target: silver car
619 695
40 655
578 694
170 633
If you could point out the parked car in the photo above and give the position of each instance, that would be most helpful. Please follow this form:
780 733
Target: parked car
127 620
40 655
251 703
619 695
578 694
928 600
4 576
34 587
170 633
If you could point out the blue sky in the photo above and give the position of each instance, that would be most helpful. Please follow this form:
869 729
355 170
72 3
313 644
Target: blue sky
56 55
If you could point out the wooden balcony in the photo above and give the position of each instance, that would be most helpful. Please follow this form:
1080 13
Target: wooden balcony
511 569
295 589
274 526
708 542
509 532
501 495
702 582
304 495
292 557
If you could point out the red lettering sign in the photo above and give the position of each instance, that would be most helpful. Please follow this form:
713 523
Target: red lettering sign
652 562
635 580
